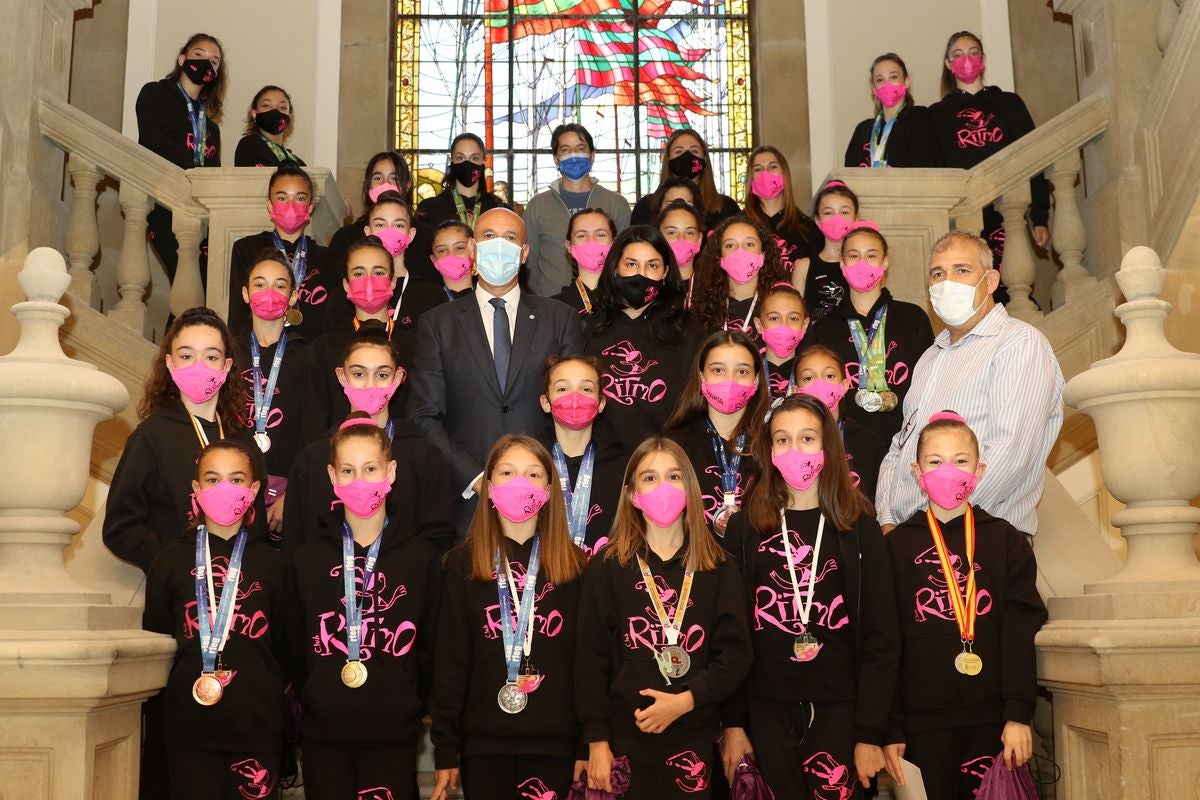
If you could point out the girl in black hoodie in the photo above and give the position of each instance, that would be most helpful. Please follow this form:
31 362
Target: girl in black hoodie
224 697
814 710
739 263
968 673
663 635
502 709
363 600
899 134
725 397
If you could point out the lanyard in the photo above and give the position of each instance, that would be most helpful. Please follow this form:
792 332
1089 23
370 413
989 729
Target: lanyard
583 295
201 435
299 262
803 609
687 301
579 499
390 430
879 143
221 618
518 633
199 127
729 466
791 380
965 608
745 326
464 216
671 627
262 399
281 153
399 301
354 609
391 325
871 348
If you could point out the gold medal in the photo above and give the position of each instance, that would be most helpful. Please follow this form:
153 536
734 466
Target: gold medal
207 689
888 401
293 317
968 663
354 674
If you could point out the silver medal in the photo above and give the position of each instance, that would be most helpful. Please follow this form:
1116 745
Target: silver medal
868 401
263 441
721 519
511 699
673 661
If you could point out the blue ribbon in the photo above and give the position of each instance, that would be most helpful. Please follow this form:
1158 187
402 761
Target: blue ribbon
579 499
878 144
210 645
263 398
298 263
729 466
354 609
199 126
514 635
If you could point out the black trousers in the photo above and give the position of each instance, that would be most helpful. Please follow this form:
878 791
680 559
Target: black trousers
954 760
358 773
221 775
680 767
516 777
805 750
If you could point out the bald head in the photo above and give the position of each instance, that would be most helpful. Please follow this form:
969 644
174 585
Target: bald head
501 223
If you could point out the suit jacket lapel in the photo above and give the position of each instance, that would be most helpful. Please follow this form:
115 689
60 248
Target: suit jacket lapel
472 324
522 340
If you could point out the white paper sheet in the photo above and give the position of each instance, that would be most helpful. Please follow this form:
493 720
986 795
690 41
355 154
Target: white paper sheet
914 784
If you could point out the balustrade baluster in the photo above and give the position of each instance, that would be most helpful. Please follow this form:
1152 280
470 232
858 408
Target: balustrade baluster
1069 236
1018 267
187 290
133 269
82 241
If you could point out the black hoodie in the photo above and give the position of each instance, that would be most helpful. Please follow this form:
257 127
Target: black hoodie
150 497
253 151
322 282
249 716
910 144
421 496
931 693
824 287
853 617
619 630
607 477
909 335
697 441
165 128
285 420
467 721
399 619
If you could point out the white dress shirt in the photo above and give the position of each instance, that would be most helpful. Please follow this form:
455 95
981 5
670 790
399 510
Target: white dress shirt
1003 378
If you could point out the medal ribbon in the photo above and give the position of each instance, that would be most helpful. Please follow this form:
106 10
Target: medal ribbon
518 633
464 216
802 609
579 499
199 127
281 153
201 435
354 609
391 326
729 466
222 617
583 295
745 327
879 143
671 627
399 300
871 350
965 608
299 262
263 398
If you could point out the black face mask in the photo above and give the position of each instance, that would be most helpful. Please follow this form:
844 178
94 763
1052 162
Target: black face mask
686 165
272 121
638 290
467 173
200 71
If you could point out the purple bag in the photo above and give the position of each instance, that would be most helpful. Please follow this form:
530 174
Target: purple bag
1002 783
748 783
619 776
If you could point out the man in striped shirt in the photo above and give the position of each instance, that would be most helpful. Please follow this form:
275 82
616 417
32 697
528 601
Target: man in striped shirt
999 373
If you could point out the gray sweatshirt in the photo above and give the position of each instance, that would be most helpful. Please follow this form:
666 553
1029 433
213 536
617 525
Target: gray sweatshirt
546 220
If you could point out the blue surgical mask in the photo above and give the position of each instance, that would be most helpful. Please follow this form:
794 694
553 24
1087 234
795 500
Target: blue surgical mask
575 167
497 260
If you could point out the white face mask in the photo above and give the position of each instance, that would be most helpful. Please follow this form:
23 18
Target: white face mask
498 260
954 302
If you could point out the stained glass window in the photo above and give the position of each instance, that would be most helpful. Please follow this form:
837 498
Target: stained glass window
631 71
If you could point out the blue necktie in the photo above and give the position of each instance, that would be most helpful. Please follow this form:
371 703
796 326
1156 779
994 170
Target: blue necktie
501 341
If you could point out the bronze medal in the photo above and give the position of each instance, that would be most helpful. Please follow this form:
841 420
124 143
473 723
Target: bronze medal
207 689
967 663
293 317
354 674
889 400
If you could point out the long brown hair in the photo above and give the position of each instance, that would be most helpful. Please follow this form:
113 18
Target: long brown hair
561 559
628 535
705 180
692 405
213 94
840 502
251 126
949 84
710 295
160 391
908 95
793 218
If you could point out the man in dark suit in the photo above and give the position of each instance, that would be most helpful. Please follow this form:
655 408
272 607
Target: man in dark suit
477 374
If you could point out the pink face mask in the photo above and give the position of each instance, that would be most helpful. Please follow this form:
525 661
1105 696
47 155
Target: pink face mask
590 255
362 498
290 216
967 68
828 393
742 265
861 276
370 399
198 382
891 94
395 240
377 191
268 304
799 470
728 396
224 503
947 485
517 500
782 340
767 185
575 410
684 251
662 505
836 227
370 292
453 268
